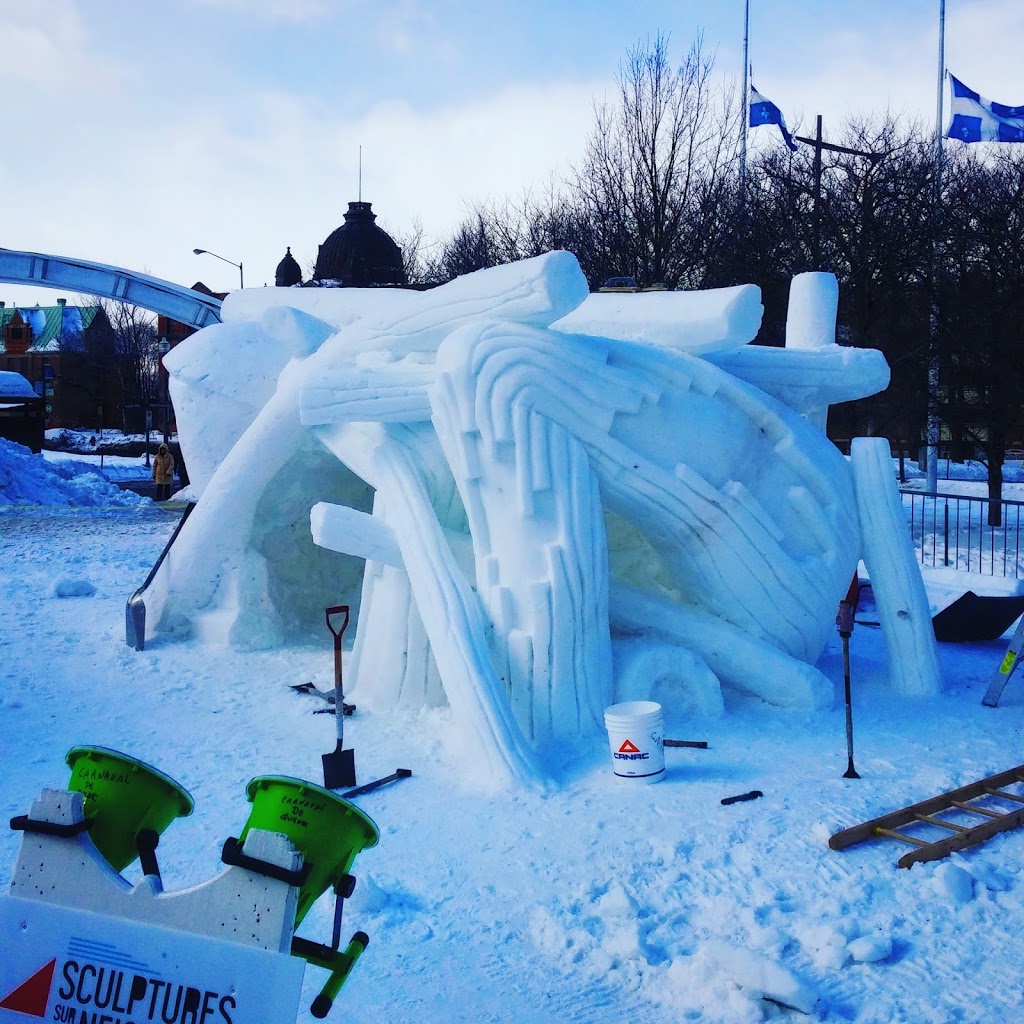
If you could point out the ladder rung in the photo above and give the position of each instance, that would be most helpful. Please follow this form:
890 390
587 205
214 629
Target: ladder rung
892 834
976 810
942 824
1003 795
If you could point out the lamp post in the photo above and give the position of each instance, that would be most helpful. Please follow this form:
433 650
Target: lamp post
241 276
163 348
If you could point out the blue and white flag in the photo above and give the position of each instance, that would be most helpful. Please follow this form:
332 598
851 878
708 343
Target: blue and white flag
976 119
763 111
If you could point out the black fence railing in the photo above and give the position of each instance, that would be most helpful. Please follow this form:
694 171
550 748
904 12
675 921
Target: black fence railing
953 530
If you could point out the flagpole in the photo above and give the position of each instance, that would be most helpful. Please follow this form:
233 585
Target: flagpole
934 426
746 98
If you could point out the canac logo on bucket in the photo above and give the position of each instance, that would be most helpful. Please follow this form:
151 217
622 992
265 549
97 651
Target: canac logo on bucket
629 751
635 738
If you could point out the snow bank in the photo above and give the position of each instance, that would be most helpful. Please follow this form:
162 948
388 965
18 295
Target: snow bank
28 479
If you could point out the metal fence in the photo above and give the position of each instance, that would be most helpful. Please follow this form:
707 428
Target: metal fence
953 530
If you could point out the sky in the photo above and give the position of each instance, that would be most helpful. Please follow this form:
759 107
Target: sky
136 133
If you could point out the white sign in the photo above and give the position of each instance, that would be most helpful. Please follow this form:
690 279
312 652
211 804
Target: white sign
79 967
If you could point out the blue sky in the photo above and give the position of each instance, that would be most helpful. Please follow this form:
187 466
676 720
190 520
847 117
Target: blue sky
135 132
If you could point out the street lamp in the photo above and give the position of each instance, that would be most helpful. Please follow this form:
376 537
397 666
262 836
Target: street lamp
241 277
163 348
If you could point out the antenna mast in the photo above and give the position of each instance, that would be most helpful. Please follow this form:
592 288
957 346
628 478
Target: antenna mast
360 174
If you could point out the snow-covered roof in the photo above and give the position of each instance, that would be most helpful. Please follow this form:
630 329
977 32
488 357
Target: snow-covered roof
14 385
50 325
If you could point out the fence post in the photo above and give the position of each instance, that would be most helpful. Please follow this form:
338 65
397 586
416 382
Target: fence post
945 529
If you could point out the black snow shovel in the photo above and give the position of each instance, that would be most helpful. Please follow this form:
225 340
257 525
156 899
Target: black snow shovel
339 764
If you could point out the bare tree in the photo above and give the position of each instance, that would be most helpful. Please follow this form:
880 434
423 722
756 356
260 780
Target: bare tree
655 178
117 358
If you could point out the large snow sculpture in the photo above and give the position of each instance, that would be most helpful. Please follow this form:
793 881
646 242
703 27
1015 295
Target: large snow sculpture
517 475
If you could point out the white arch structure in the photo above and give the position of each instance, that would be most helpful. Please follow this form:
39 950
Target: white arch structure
172 300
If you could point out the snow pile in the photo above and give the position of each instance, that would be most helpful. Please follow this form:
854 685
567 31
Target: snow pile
28 479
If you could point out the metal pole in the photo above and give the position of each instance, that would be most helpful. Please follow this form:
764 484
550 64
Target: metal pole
851 771
817 196
746 98
932 452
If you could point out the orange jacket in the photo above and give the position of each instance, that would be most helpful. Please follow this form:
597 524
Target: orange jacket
163 468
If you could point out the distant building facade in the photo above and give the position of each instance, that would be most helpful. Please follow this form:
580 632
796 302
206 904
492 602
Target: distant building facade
50 347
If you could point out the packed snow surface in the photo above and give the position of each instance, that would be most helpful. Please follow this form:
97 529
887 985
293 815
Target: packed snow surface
597 902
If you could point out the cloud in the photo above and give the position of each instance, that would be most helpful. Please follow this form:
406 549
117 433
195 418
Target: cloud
47 48
274 10
251 155
247 187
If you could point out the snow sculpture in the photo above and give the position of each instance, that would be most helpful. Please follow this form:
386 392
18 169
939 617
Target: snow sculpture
517 475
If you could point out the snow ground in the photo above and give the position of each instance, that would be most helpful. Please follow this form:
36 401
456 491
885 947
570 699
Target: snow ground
596 902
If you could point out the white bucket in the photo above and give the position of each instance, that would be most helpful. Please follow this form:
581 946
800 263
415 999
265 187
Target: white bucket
635 735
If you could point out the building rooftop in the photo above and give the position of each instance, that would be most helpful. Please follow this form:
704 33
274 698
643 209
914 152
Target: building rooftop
49 324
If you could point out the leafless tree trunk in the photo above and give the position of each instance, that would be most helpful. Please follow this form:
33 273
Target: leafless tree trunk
656 174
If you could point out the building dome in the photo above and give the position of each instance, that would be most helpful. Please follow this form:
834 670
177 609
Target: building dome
288 272
359 254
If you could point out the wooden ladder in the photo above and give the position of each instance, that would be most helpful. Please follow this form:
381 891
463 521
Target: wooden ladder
990 790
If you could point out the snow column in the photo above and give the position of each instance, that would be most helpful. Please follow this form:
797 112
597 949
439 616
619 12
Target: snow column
811 321
895 577
391 661
490 743
536 518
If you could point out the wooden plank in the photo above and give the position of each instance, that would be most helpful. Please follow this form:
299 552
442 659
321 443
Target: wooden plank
903 837
1003 795
870 829
942 824
936 851
975 809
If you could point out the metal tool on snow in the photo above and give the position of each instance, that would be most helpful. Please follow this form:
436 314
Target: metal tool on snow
754 794
339 764
844 622
135 608
1005 670
327 696
367 787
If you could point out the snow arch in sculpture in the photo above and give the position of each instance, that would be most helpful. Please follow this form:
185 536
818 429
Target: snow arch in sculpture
517 475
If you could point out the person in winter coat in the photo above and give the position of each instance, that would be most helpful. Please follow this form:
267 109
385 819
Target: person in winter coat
163 472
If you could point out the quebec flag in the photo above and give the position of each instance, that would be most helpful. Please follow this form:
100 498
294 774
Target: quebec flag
976 119
763 111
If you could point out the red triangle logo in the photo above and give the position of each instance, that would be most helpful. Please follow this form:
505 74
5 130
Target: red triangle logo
628 747
31 996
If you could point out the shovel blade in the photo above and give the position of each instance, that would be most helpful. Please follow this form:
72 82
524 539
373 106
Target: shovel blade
135 622
339 768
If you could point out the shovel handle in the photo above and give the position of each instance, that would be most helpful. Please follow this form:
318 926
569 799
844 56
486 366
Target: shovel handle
337 609
339 690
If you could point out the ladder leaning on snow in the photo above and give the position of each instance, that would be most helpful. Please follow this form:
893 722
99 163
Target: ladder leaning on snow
1006 667
976 799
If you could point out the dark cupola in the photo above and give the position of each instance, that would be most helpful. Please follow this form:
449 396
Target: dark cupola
359 254
288 272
